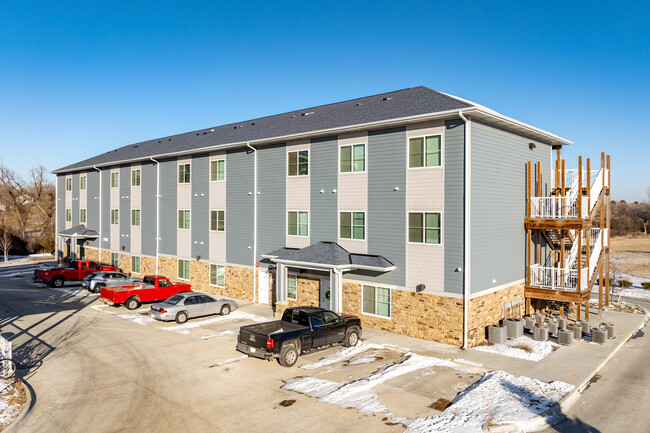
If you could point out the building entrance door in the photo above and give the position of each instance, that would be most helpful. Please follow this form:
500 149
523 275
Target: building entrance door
325 294
263 287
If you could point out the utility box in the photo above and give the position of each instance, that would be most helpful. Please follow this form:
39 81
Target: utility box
552 328
515 327
539 319
576 329
561 322
497 334
599 335
529 323
585 327
540 333
564 337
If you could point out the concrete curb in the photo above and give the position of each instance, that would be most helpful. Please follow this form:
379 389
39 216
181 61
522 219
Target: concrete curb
556 413
24 413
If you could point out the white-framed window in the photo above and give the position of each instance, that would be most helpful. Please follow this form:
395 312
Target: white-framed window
115 179
376 300
115 260
184 173
184 269
352 225
425 151
135 217
425 227
68 184
218 220
217 275
298 163
135 177
218 170
292 287
82 215
352 158
83 182
115 216
298 223
135 264
68 215
184 219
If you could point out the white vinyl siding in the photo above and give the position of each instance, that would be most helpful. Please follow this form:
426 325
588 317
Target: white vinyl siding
217 275
376 300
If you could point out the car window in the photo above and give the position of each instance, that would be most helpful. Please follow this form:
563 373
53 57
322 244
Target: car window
206 299
192 300
149 280
163 283
93 266
316 321
119 275
173 300
330 317
83 266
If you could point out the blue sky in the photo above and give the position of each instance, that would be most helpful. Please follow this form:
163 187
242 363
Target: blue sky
80 78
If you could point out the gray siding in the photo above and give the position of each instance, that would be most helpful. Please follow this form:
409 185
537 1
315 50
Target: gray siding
92 213
168 211
148 209
60 202
106 208
453 215
200 212
125 208
324 176
239 206
75 199
271 182
498 197
386 217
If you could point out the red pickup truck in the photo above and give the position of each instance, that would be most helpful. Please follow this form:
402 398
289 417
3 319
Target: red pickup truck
76 271
153 288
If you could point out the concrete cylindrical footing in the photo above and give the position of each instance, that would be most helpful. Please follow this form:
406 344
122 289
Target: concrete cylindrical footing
611 329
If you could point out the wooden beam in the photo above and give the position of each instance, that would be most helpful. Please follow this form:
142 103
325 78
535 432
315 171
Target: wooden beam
557 223
555 295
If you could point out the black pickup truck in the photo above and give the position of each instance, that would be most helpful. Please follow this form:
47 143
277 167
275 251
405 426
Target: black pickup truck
302 329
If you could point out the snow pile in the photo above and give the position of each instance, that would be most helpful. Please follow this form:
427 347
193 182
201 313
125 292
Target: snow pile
522 348
344 355
9 405
506 398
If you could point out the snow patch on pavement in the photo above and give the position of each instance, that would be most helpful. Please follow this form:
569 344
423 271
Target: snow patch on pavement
343 355
465 361
230 361
521 348
9 408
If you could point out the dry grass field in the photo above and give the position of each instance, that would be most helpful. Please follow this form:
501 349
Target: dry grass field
631 255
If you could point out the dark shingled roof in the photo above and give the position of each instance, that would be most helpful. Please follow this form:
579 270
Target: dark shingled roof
330 254
80 231
385 106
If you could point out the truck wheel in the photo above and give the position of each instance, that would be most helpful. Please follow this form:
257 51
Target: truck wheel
351 339
225 310
132 303
288 356
181 317
57 282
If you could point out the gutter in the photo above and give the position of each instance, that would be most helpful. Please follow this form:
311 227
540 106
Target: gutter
99 259
466 225
255 193
157 210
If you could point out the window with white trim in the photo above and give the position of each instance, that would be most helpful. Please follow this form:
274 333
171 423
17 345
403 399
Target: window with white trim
135 177
292 287
217 275
353 158
83 182
135 264
352 225
115 179
184 219
218 170
425 227
68 184
298 223
425 151
68 215
184 269
218 220
115 260
298 163
376 300
82 215
115 216
135 217
184 173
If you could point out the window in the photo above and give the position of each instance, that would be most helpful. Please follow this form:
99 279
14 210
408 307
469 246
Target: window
115 216
299 163
83 182
217 220
115 260
353 158
68 184
68 215
292 287
135 177
376 300
184 173
135 217
424 151
218 275
184 269
298 223
82 215
424 227
135 264
115 179
218 170
183 219
352 225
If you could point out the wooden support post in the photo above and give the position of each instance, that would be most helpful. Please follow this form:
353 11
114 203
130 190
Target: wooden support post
563 180
527 306
579 259
528 188
588 185
600 286
561 309
603 254
608 204
578 306
528 237
586 309
579 187
539 232
557 169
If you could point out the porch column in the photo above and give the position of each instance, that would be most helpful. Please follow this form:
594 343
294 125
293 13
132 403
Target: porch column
281 285
336 292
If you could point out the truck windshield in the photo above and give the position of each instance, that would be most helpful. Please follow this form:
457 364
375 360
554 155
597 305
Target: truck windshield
173 300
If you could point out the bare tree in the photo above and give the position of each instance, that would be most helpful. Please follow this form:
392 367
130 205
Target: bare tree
13 191
6 242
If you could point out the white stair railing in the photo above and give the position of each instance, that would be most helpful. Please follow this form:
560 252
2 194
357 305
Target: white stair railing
545 277
570 259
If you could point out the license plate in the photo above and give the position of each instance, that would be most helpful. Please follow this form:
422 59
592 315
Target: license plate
252 350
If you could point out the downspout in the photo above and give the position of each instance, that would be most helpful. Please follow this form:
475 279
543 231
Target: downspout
254 220
99 258
157 209
466 227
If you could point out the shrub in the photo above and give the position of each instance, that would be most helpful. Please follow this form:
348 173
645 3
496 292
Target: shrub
646 285
625 284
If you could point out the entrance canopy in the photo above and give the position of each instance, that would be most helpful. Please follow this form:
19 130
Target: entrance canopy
78 232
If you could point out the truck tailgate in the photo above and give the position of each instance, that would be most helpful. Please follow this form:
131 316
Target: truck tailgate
256 335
